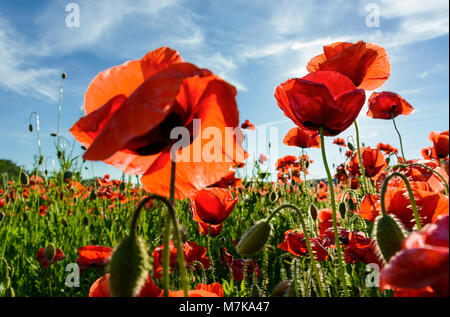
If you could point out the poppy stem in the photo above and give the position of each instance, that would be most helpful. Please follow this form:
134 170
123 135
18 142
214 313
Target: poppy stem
361 162
399 137
308 242
333 205
208 245
411 197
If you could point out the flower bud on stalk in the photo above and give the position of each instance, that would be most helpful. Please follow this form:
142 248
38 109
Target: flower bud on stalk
281 289
30 127
389 236
24 179
50 252
255 238
313 211
128 267
342 209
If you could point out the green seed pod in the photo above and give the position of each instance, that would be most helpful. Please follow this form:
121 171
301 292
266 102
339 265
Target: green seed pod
24 179
128 267
50 252
281 289
389 236
30 127
313 211
342 209
255 238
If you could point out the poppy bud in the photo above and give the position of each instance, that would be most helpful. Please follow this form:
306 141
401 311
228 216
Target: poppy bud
59 154
63 76
41 160
350 146
350 204
24 179
254 239
255 291
30 127
50 252
83 148
53 135
281 289
128 267
389 236
67 175
122 187
342 209
93 195
313 211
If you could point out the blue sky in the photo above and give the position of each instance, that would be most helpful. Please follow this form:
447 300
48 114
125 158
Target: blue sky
254 45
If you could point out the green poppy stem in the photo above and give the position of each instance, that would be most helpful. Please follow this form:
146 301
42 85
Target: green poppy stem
411 197
333 206
399 137
360 160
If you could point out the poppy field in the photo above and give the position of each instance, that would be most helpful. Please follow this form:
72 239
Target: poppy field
185 221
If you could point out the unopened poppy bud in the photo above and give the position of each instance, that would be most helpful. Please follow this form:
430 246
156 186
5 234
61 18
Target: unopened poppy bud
50 252
83 148
281 289
128 267
30 127
255 291
93 195
350 146
7 283
41 160
313 211
342 209
24 179
53 135
59 154
122 187
350 204
389 236
254 239
63 76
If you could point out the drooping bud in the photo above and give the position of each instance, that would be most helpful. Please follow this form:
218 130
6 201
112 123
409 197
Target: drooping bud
351 204
281 289
83 148
313 211
255 238
63 76
41 160
351 146
128 267
389 236
342 209
30 127
53 135
50 252
24 179
59 154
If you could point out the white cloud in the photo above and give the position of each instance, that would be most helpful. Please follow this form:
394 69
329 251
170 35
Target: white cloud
16 73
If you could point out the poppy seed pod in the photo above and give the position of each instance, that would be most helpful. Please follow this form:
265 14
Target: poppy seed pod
313 211
255 238
50 252
389 236
128 267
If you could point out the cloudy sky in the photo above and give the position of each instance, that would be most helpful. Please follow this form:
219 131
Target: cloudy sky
255 45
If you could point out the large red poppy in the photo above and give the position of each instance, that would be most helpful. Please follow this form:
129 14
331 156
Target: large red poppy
374 163
340 142
195 253
361 249
294 242
44 262
93 256
100 288
302 138
158 259
421 268
386 104
366 64
212 205
441 143
131 110
322 99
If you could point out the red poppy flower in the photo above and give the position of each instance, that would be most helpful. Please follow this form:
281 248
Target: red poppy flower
385 104
131 110
322 99
100 288
427 153
325 217
302 138
340 142
287 161
158 259
239 266
370 207
193 252
441 143
205 228
366 64
215 288
262 158
93 256
212 205
387 148
421 268
361 249
295 243
248 125
374 163
229 180
44 262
